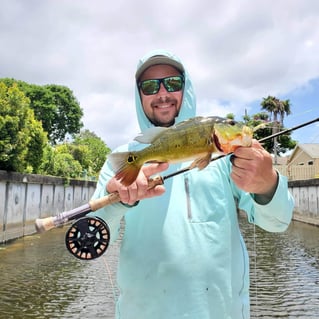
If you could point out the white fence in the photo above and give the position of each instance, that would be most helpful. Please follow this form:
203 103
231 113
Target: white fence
299 172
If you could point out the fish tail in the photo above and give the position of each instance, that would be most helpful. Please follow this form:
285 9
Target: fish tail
126 166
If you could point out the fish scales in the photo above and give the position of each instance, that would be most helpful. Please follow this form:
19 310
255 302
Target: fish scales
194 139
182 142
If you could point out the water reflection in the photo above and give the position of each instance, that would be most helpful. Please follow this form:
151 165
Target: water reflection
40 279
284 272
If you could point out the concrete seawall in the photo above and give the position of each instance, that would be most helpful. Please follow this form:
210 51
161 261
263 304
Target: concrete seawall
25 197
306 195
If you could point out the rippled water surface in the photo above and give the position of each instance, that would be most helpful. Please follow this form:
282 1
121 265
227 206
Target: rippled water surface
40 279
284 272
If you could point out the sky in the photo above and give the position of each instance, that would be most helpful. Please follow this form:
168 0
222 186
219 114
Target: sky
236 51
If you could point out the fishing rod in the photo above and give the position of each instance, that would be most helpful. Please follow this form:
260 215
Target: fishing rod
267 138
88 237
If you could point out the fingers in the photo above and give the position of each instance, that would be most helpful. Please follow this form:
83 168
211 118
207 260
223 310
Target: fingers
139 189
153 169
252 169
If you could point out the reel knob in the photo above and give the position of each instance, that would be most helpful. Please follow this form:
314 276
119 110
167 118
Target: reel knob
88 238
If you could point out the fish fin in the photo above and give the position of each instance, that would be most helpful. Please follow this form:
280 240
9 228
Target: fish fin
125 166
149 135
201 162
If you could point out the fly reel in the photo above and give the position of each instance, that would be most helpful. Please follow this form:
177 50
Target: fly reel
88 238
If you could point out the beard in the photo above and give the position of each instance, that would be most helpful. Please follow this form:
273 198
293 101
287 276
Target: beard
159 118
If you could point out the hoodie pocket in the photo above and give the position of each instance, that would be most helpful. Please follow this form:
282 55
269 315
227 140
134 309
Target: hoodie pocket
188 199
206 201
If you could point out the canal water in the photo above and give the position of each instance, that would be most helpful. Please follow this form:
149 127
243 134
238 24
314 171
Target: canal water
41 279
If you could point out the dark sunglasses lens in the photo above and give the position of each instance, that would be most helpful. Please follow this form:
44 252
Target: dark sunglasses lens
150 87
173 84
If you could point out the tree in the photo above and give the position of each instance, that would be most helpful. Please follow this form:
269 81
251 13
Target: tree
275 106
85 155
55 106
35 152
230 116
97 151
65 165
284 141
21 135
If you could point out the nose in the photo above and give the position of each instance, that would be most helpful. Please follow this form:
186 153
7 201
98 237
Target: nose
162 89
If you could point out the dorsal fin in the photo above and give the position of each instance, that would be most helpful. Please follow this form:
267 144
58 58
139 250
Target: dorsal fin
149 135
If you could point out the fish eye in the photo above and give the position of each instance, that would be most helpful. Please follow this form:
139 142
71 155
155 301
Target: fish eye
131 158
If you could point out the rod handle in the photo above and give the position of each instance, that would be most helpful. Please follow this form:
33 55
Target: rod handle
112 198
98 203
47 223
44 224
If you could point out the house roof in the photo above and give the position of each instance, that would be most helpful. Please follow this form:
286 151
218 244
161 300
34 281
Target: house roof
311 149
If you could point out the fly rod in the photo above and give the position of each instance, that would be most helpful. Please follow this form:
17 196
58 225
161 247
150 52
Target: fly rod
45 224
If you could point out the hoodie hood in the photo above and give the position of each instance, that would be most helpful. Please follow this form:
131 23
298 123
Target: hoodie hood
188 107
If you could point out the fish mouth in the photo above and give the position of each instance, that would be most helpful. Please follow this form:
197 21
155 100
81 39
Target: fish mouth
216 142
228 142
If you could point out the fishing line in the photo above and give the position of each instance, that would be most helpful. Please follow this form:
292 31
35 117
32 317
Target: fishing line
255 268
302 113
109 274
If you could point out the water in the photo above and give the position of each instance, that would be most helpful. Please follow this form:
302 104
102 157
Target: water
284 272
41 279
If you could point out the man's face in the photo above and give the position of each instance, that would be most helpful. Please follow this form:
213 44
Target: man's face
162 107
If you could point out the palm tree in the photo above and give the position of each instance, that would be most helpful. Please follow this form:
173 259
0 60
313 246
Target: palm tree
275 106
285 110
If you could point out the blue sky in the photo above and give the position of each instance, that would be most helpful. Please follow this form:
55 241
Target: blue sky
305 107
236 51
304 103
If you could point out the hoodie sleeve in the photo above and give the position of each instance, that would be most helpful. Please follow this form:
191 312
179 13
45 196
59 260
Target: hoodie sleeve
274 216
277 214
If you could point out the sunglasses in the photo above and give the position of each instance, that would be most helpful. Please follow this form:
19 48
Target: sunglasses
171 84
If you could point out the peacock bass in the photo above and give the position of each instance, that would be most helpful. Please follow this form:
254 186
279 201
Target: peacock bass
195 139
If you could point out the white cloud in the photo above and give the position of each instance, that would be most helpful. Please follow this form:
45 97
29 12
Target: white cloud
236 51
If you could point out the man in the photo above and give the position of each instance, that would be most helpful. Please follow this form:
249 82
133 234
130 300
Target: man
182 254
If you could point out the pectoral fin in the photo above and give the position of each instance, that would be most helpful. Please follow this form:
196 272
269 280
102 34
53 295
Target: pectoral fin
201 162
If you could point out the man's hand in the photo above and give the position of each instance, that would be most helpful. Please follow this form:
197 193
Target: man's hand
139 189
253 172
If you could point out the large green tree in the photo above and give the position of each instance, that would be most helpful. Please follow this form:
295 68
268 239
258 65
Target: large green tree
21 136
55 106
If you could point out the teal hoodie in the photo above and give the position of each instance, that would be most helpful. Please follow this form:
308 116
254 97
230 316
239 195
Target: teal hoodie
182 253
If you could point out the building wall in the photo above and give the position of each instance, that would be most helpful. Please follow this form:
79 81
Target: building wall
300 157
299 172
26 197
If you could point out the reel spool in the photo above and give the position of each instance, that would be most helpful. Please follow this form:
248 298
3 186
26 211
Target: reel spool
88 238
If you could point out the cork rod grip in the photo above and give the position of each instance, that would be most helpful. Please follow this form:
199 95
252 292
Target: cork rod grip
47 223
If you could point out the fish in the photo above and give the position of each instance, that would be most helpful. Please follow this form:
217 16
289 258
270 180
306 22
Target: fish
197 139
